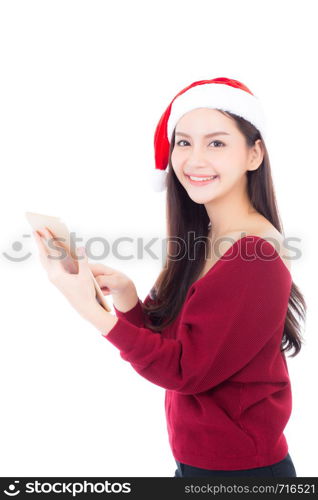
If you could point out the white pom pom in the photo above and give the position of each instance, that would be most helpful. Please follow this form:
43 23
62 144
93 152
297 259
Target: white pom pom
158 179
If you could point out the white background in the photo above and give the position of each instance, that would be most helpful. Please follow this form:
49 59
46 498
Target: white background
83 85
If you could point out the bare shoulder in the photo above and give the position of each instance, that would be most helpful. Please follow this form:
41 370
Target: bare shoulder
269 233
261 227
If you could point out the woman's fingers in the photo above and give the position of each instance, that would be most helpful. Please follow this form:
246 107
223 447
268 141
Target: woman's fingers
67 261
43 252
103 281
100 269
50 258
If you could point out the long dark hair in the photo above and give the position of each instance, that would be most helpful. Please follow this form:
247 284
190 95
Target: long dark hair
184 216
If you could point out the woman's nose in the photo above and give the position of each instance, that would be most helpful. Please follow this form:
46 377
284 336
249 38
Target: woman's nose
197 159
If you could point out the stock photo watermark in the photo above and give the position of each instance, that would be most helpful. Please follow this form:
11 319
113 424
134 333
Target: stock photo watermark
173 248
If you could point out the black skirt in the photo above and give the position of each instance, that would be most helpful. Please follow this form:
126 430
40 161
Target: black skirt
283 468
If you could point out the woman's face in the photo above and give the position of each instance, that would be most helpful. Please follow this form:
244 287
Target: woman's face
225 154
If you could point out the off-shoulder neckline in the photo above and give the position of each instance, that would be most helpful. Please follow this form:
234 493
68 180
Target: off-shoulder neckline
231 248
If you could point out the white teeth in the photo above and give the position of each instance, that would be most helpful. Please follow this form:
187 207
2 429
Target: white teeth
202 178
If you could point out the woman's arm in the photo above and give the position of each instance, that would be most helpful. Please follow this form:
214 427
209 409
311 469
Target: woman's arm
128 306
126 300
235 314
101 319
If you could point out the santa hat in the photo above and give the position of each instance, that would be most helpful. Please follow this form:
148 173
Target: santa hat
221 93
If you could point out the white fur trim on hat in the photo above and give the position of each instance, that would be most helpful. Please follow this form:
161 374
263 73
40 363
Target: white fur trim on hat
220 96
158 179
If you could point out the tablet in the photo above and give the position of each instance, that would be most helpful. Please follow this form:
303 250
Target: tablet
64 238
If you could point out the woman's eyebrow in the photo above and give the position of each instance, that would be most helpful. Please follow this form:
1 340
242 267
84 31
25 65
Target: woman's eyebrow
207 135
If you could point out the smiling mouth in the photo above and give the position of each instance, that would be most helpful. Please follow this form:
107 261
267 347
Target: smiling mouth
196 181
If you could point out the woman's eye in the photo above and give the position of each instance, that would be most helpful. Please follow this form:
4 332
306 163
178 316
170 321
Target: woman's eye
218 142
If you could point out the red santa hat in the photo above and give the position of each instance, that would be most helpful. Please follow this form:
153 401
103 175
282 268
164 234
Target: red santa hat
221 93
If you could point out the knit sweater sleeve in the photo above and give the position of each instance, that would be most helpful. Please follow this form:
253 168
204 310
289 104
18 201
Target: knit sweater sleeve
135 315
228 317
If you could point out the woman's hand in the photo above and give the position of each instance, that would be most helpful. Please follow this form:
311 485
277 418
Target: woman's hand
122 288
111 281
71 277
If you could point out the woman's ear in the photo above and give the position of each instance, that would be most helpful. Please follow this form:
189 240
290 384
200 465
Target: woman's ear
256 155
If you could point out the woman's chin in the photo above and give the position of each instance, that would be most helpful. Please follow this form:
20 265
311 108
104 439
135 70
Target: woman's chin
201 197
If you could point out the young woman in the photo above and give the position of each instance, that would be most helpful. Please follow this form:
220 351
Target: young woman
214 329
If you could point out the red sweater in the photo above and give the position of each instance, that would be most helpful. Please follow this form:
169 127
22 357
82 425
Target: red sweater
228 395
